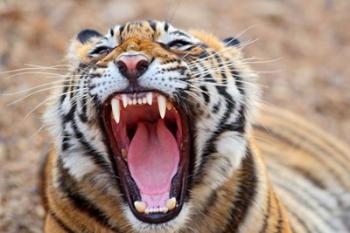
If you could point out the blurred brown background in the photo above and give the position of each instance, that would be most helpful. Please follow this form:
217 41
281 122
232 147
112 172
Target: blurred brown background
306 46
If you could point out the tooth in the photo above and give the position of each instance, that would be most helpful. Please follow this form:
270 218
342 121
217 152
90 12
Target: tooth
171 203
139 101
164 209
130 101
169 105
149 98
116 109
149 210
134 101
140 206
125 100
144 100
124 154
161 105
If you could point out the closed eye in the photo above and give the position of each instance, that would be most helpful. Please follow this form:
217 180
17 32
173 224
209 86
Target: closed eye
101 50
178 43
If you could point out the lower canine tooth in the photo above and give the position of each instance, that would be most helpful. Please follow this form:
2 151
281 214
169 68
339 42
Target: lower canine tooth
171 203
140 206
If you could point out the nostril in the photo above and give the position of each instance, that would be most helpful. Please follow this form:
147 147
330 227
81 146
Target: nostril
123 68
142 66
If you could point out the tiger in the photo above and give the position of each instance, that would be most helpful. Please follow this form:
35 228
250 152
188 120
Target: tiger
159 129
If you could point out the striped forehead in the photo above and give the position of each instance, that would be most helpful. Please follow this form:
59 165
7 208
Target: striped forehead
160 31
146 30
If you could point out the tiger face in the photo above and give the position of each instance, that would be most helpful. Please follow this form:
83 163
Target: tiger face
152 121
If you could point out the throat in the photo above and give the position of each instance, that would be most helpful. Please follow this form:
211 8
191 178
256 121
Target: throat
153 159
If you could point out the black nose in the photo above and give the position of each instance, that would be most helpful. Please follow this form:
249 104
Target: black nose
132 66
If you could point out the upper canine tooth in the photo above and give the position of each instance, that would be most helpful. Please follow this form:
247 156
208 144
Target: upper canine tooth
116 109
171 203
161 105
140 206
125 100
149 98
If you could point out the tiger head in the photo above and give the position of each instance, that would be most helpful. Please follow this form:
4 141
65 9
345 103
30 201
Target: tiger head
152 121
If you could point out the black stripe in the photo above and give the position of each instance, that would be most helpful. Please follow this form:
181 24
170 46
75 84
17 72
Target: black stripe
301 221
290 142
267 214
246 192
153 25
222 127
318 147
70 188
83 114
70 115
324 141
220 66
121 30
60 223
230 103
64 91
166 26
89 150
280 221
180 33
237 77
205 94
299 197
65 141
111 32
216 107
291 189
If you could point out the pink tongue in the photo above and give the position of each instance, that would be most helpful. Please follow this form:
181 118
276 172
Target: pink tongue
153 159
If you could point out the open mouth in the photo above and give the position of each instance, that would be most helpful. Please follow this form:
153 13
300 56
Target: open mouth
149 138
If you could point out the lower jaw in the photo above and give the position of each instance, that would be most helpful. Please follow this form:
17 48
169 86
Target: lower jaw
130 191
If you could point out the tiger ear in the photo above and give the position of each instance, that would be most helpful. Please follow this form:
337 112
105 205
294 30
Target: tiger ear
81 45
231 41
85 35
